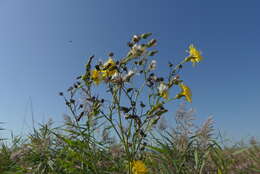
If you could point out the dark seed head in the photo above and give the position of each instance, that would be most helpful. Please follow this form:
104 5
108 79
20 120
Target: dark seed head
170 64
142 104
111 54
79 77
130 44
133 103
125 68
129 90
160 79
97 67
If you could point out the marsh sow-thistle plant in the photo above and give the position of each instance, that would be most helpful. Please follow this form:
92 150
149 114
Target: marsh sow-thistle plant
135 98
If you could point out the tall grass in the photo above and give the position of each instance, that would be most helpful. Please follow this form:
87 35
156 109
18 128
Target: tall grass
181 149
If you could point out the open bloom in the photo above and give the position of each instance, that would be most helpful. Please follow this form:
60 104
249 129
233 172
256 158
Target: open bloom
108 69
185 92
96 76
128 76
195 55
138 167
163 91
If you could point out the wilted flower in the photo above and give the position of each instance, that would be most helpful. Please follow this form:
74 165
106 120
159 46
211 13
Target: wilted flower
137 50
152 65
138 167
116 76
195 55
128 76
163 90
186 92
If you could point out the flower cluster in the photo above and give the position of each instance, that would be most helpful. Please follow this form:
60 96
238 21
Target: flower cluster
105 71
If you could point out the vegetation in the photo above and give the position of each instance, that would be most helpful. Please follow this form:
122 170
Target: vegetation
123 130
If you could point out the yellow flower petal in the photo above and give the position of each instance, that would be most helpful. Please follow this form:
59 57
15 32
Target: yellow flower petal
96 76
138 167
109 68
195 55
109 63
186 92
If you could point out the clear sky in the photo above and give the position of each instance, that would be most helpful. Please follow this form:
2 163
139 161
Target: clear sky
37 60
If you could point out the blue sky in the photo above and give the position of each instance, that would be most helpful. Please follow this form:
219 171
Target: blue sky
37 60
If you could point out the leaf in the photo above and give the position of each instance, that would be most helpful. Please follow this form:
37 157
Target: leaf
239 151
196 156
219 171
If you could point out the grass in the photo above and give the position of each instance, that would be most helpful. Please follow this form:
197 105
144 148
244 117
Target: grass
72 150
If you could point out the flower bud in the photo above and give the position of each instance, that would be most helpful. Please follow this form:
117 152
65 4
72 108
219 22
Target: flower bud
152 53
146 35
151 43
152 65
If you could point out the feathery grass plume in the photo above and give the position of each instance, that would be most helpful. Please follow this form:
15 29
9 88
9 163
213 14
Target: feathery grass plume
184 119
205 132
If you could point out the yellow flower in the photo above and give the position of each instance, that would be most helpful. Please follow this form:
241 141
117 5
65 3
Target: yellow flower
195 55
163 91
109 68
138 167
186 92
96 76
